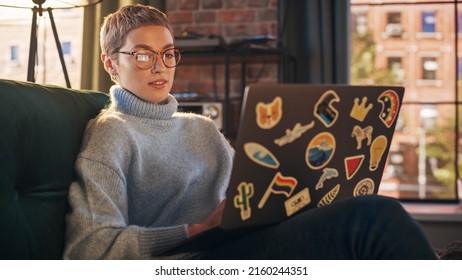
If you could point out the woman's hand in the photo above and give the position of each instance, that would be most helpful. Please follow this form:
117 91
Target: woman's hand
212 221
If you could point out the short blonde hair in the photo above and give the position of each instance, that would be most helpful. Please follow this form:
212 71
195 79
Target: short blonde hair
117 25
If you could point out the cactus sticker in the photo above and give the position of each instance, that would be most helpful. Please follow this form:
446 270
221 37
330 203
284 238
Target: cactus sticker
242 200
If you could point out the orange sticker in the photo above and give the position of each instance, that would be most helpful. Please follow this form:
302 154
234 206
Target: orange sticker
269 114
377 150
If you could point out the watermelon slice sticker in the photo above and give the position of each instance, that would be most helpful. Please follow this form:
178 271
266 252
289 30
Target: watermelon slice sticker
352 165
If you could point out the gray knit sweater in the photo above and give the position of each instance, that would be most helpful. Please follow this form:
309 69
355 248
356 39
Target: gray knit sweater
143 174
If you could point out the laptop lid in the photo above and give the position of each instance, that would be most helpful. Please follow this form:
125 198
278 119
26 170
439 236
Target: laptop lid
302 146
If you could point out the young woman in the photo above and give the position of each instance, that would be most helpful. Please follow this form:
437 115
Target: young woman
149 178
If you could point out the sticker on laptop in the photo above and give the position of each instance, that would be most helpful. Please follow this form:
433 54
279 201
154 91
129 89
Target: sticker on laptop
279 185
362 133
324 109
242 200
364 187
261 155
390 106
297 202
320 150
377 151
352 165
293 134
269 114
330 196
327 173
360 110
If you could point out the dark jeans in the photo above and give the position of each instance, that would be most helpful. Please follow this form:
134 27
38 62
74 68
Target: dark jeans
367 227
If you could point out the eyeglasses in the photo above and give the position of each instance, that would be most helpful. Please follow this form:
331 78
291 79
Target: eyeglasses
145 59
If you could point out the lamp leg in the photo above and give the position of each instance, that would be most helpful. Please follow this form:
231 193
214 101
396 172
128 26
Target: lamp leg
32 47
60 50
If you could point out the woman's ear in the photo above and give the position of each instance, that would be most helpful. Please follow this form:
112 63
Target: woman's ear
108 64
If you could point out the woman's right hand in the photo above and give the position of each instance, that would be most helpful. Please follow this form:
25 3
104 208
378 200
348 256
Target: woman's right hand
212 221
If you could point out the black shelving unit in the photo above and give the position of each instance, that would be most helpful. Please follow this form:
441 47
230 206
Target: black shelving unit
244 58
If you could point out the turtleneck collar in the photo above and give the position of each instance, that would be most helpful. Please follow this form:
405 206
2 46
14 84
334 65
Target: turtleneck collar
126 102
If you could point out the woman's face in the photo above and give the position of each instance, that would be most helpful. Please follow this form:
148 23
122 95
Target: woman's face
153 84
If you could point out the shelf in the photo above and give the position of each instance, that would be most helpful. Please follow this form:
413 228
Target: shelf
242 57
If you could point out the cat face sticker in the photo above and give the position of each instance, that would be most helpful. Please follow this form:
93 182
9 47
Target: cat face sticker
320 150
269 114
324 109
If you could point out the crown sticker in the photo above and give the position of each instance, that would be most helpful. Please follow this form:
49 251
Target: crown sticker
269 114
360 110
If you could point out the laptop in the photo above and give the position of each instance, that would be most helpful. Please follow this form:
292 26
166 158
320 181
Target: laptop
303 146
299 147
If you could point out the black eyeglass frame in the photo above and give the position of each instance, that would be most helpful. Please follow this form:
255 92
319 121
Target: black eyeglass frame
155 54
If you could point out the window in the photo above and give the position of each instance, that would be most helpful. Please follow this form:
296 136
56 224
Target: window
394 27
429 68
396 70
15 27
66 46
14 53
428 22
425 157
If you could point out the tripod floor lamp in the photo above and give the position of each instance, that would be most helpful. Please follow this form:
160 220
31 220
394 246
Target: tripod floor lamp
38 7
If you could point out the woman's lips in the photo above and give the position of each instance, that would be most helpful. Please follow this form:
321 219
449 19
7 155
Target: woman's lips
158 84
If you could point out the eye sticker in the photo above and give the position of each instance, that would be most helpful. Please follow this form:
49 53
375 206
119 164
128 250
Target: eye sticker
352 165
377 150
293 134
362 133
390 106
242 200
260 155
324 109
360 111
297 202
320 150
327 173
364 187
329 197
269 114
279 185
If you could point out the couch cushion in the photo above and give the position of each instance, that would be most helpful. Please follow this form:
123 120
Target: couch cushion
41 129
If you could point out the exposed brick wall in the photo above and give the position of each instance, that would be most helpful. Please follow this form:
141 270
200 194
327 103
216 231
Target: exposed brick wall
231 20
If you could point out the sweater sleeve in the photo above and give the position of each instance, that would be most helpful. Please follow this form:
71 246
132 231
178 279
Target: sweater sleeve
97 225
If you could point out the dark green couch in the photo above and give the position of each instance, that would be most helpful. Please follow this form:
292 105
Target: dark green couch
41 129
